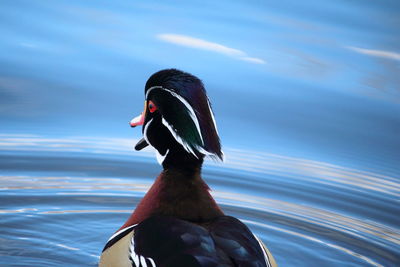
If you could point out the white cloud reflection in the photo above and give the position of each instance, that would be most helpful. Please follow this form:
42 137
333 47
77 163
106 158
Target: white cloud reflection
375 53
192 42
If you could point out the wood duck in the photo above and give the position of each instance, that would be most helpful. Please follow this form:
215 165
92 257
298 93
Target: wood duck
178 223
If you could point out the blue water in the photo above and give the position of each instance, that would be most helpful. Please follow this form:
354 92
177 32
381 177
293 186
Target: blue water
306 97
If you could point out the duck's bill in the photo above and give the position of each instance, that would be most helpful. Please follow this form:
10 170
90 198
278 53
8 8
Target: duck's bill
139 120
141 144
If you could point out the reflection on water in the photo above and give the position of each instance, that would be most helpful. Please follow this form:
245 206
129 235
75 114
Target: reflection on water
306 97
325 213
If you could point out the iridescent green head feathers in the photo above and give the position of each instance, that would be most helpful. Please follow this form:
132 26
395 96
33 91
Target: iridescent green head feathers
178 117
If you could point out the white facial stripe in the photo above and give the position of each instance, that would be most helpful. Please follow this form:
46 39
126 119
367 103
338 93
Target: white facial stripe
212 116
193 117
178 138
185 145
187 105
161 158
203 151
191 112
151 89
215 126
145 131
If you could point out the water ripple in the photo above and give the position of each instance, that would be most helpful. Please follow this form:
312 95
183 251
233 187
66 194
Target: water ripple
293 204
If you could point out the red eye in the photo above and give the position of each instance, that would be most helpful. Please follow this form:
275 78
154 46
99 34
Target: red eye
152 107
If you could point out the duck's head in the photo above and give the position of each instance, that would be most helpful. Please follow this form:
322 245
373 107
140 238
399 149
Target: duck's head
177 119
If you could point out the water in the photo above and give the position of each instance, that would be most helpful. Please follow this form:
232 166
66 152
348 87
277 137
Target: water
306 97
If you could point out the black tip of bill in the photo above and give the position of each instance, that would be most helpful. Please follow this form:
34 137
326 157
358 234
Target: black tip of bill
141 144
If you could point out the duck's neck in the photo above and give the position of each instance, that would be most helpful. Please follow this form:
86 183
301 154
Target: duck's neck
178 192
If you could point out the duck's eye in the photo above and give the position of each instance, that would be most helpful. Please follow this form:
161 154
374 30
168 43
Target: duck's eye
152 107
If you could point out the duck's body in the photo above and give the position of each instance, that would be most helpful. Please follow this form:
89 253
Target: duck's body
178 223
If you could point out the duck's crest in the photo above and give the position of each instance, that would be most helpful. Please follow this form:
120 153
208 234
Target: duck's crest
186 111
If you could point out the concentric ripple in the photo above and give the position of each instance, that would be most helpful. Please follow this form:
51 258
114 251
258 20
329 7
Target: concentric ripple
60 204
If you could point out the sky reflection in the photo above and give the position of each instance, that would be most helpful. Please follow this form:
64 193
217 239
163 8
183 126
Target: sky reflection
245 160
323 86
289 214
306 97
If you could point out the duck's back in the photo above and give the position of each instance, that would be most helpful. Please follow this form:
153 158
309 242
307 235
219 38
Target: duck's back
168 241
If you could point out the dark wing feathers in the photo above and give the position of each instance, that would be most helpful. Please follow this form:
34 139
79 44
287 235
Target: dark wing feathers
173 242
237 241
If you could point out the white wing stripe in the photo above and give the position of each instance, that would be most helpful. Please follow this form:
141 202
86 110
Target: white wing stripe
152 262
143 261
136 259
121 231
267 260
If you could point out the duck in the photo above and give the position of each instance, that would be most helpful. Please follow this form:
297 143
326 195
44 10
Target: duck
178 222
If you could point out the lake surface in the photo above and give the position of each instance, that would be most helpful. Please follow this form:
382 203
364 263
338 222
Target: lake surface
306 97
